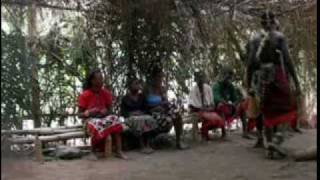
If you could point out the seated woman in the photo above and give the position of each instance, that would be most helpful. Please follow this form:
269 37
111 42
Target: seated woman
94 104
201 103
141 124
157 105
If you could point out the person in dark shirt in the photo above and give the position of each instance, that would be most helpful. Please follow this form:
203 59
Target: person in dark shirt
141 124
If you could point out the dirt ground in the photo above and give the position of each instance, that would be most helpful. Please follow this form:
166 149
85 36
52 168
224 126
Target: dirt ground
231 160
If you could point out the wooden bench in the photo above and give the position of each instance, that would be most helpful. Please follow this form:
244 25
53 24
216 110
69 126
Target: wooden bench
46 135
39 136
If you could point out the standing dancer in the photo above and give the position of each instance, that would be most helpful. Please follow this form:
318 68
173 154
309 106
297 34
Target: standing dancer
269 68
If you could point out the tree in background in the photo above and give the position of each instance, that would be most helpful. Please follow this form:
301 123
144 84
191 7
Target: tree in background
127 38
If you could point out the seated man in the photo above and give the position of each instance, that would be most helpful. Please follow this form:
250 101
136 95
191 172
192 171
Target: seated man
200 102
94 106
225 97
141 124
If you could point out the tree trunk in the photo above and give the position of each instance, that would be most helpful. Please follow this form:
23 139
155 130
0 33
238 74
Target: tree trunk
132 43
62 118
32 30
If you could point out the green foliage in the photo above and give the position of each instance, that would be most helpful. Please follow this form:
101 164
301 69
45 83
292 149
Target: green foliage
15 79
127 38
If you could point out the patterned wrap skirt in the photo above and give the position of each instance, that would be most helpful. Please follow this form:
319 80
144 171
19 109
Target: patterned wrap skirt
141 124
100 128
164 118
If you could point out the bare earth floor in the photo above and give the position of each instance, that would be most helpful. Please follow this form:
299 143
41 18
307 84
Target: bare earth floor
231 160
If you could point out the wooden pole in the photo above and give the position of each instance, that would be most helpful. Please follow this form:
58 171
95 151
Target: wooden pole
108 147
195 128
38 150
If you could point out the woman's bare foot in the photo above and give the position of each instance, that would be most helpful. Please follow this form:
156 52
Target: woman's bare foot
92 157
223 134
147 150
182 146
224 137
205 138
259 144
276 148
121 155
246 136
297 130
269 154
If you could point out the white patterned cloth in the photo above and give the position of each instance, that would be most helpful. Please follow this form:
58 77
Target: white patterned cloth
100 124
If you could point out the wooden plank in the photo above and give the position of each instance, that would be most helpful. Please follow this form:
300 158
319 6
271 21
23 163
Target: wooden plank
47 131
44 130
44 139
